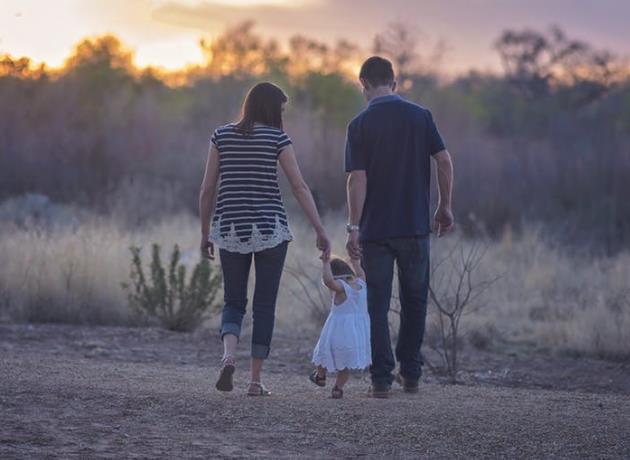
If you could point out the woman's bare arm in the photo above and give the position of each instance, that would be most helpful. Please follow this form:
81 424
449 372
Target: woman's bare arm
303 195
207 196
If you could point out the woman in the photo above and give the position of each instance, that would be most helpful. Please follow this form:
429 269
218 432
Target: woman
249 221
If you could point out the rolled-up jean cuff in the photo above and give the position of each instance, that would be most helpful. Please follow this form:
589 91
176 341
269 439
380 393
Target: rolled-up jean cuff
260 351
230 328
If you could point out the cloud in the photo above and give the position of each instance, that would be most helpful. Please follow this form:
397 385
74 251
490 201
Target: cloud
159 29
207 17
133 19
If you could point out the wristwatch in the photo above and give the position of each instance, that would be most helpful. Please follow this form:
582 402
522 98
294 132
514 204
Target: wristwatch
352 228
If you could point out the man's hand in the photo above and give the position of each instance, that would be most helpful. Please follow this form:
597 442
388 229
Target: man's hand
443 221
207 249
353 246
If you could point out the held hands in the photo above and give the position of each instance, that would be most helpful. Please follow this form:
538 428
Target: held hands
323 244
353 246
443 221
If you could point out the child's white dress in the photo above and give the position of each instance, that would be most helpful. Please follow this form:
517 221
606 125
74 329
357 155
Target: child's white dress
344 342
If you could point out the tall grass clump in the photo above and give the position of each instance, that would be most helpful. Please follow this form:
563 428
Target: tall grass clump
559 298
72 273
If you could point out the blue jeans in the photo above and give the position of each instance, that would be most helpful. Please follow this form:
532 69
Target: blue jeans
269 264
412 259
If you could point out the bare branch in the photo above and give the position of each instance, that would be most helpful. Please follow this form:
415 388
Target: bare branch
455 292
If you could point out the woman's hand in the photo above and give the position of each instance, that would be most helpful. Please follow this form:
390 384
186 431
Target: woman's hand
207 249
323 244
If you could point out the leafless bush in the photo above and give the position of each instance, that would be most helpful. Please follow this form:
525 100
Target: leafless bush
308 289
455 291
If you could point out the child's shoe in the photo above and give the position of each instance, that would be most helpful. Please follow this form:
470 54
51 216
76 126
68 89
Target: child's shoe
317 379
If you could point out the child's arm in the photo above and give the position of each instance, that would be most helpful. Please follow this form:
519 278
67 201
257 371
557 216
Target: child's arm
327 277
356 266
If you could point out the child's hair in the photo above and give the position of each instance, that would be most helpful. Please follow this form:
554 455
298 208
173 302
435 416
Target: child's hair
340 267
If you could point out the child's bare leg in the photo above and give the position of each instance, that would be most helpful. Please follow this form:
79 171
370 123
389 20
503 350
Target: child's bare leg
342 378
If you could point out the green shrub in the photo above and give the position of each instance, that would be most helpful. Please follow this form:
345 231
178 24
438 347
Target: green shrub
179 306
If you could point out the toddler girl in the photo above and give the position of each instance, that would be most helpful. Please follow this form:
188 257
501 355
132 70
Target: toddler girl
344 342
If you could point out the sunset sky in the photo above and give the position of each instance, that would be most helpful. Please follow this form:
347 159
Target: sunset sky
166 32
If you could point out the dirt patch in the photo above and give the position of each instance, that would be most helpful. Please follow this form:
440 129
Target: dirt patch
78 392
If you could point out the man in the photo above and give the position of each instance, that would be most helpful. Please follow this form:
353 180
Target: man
388 151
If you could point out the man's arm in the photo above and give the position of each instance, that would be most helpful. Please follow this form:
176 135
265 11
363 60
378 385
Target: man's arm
443 220
356 189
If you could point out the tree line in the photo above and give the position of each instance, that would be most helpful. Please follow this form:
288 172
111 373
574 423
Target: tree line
545 141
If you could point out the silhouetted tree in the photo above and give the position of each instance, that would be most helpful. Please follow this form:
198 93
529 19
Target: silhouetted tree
538 63
240 53
399 42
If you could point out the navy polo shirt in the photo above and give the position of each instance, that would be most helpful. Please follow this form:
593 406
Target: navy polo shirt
393 140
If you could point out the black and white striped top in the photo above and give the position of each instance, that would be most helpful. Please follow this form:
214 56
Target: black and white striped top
249 214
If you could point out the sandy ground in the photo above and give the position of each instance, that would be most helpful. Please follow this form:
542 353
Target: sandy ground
80 392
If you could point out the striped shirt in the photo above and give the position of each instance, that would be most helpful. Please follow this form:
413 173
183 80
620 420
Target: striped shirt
249 215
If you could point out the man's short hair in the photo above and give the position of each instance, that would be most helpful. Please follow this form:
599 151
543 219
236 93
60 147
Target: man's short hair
377 71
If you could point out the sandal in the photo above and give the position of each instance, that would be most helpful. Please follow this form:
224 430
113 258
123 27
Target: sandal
225 381
257 389
337 393
317 379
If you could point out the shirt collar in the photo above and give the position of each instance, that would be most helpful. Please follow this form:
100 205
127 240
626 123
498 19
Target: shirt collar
387 98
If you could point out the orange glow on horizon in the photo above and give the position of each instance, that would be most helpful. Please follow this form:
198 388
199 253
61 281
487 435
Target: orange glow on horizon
165 34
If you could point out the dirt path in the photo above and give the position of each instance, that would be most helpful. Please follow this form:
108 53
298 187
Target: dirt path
73 392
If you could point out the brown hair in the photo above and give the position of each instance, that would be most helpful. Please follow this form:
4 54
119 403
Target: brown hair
340 267
377 71
263 104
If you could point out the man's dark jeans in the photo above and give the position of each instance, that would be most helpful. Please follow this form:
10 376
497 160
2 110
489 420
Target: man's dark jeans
412 259
269 264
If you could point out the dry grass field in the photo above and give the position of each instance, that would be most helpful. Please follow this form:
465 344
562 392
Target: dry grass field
547 296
